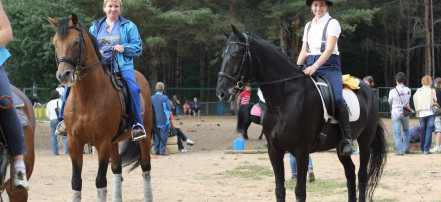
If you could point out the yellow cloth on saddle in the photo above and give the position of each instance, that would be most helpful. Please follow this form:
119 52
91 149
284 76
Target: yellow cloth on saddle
350 82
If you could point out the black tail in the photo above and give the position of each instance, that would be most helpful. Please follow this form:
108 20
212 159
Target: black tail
377 160
243 116
131 152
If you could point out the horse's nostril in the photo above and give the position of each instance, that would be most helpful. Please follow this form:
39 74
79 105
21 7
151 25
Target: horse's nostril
66 74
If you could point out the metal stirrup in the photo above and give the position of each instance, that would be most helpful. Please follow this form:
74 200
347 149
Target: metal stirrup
138 137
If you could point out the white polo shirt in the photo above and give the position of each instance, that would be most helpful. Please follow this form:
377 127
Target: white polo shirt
316 32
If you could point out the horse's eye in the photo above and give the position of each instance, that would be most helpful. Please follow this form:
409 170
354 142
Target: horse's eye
76 42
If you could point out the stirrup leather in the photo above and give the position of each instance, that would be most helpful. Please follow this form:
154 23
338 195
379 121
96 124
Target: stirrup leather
136 138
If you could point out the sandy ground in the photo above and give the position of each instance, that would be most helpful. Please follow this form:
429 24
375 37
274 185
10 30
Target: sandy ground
205 173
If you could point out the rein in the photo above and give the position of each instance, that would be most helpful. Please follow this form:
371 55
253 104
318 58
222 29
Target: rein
239 81
77 62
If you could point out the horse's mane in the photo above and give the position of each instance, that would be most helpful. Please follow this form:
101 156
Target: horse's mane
63 29
272 46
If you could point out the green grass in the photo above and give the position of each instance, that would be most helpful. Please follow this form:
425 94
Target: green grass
204 149
249 171
263 158
321 187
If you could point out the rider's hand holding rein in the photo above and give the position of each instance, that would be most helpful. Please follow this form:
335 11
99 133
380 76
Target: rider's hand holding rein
118 48
310 70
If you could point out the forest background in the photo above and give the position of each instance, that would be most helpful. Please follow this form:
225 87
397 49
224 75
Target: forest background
182 41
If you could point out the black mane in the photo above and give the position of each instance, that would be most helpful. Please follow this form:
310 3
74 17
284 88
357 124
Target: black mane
63 29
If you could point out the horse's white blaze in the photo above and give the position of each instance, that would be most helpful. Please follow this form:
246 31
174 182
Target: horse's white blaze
102 194
76 196
148 194
117 192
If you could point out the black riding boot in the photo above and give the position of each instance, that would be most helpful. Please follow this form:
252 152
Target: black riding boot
346 142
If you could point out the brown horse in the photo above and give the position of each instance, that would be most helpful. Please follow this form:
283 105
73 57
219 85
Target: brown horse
29 158
92 112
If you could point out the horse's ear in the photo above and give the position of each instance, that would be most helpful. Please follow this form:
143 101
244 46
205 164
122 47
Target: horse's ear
52 21
226 33
238 33
74 19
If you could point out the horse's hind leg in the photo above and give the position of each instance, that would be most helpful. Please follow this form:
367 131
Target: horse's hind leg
146 167
362 171
116 170
261 134
276 158
103 164
350 176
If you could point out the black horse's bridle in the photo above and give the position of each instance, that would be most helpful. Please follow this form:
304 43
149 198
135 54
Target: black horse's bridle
77 62
239 80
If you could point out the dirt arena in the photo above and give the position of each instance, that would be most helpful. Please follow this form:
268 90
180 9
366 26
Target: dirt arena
205 173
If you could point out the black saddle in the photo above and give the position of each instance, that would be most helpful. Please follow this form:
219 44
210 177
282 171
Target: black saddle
328 97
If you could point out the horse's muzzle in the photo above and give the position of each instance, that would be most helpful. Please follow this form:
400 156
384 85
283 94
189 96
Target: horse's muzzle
66 77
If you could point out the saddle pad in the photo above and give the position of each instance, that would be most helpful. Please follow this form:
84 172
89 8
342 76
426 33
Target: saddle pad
353 104
256 111
22 116
17 101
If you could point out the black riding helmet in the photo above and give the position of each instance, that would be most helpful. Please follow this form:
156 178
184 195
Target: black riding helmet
309 2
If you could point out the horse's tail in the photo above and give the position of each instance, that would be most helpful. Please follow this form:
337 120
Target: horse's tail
377 160
131 152
242 117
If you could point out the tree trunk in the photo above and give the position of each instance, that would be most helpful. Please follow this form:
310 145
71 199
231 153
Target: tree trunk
386 58
408 43
154 68
295 40
202 65
428 59
232 11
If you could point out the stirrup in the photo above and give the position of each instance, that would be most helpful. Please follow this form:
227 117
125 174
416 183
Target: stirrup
135 132
344 143
61 129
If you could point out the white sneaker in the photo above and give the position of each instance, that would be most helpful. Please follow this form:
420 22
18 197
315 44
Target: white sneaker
189 142
19 179
436 149
183 150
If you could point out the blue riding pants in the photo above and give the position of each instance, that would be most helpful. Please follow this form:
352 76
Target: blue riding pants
9 121
331 70
134 89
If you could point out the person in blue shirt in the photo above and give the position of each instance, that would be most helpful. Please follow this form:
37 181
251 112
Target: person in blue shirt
159 101
12 128
116 33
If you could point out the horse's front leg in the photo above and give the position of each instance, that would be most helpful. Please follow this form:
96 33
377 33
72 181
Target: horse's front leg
276 158
117 173
146 167
350 176
302 160
103 164
76 155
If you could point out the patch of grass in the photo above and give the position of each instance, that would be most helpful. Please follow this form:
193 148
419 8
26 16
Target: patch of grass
263 158
387 200
245 162
383 186
258 148
215 164
230 147
204 149
249 171
321 187
222 157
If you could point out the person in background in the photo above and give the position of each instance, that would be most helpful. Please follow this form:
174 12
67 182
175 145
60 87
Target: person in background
422 99
176 104
369 80
60 90
12 127
437 123
399 97
181 136
52 109
293 163
195 107
159 100
244 97
187 108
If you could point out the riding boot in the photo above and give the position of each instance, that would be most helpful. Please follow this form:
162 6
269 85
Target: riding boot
61 129
346 142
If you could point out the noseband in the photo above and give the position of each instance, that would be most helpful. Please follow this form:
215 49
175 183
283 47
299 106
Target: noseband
77 62
239 80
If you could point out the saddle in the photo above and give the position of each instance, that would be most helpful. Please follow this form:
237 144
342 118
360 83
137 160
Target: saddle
121 87
256 110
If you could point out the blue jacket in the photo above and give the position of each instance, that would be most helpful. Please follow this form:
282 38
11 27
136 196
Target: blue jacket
130 40
157 100
4 55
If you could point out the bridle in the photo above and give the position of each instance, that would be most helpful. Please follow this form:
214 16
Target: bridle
239 80
77 62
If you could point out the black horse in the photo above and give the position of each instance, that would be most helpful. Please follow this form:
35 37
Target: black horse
294 114
244 120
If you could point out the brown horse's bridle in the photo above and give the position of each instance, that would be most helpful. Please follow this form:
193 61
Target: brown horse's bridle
77 62
239 80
